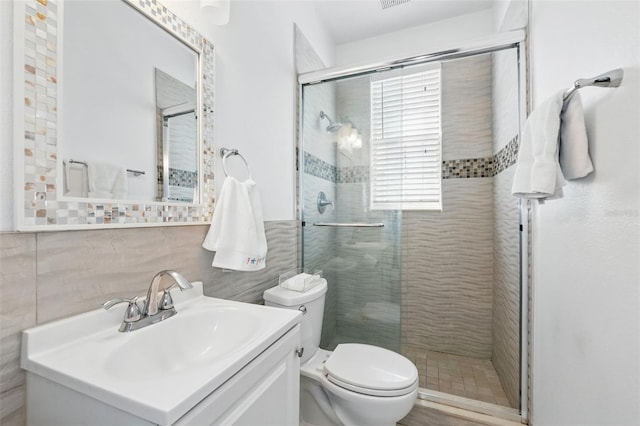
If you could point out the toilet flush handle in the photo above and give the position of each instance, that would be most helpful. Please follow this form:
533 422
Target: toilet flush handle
299 352
303 309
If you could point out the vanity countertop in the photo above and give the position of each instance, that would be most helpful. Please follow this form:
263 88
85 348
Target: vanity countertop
159 372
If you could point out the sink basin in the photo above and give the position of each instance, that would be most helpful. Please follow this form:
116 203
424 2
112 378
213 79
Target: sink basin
198 336
158 372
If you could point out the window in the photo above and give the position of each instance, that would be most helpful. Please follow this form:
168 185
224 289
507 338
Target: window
406 170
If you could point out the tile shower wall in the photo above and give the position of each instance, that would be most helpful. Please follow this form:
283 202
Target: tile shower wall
506 243
46 276
447 275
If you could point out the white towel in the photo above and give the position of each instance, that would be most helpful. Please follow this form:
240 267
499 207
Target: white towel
554 147
237 228
538 172
107 180
575 161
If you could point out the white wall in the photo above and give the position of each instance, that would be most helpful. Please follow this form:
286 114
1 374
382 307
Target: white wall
255 109
586 259
6 116
414 40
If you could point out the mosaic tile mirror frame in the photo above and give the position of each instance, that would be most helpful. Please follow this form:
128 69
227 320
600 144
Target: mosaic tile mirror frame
39 204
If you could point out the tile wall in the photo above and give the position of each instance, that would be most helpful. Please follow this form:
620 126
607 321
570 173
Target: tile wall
448 255
47 276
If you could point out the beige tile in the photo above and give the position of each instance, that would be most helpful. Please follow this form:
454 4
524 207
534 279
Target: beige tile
457 261
78 270
12 404
463 376
422 415
432 372
17 312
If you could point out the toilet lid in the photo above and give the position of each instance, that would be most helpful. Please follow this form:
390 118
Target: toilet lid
370 370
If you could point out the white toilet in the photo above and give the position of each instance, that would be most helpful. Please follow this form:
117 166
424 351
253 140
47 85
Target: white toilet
356 384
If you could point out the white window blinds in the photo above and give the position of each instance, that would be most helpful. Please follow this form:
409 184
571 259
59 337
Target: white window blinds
406 141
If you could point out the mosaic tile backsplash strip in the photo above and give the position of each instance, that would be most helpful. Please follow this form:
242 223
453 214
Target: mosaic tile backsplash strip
40 207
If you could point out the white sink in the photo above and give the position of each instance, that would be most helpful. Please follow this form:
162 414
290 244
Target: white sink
158 372
196 336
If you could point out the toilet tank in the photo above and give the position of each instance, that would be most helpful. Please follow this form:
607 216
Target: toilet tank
311 303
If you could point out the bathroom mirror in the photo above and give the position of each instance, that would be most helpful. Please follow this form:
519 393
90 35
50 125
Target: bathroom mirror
87 103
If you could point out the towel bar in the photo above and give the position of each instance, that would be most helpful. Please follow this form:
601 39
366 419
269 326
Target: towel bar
136 172
228 152
350 224
611 78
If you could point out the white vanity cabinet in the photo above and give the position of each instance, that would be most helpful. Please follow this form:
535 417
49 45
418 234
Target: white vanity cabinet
216 362
265 392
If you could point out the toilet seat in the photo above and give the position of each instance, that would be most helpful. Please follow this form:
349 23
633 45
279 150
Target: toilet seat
371 370
371 392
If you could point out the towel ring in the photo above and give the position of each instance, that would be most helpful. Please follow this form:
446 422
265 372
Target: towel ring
228 152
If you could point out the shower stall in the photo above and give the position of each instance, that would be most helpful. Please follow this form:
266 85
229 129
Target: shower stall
404 198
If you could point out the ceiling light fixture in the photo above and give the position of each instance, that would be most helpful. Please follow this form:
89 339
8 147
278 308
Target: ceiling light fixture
217 10
390 3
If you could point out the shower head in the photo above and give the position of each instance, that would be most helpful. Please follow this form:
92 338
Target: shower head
332 127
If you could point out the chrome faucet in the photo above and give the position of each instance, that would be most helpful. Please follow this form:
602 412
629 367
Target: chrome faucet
153 311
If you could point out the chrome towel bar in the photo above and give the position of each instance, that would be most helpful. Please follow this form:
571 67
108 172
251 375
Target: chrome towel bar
611 78
228 152
84 163
350 224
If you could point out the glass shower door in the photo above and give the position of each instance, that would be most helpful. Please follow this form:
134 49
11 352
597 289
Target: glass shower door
357 248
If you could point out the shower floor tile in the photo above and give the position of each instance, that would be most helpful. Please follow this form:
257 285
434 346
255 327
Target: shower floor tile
458 375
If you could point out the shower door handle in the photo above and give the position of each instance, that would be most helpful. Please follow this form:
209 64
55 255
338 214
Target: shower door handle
350 224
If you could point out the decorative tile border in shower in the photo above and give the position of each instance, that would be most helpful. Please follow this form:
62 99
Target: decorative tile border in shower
40 77
355 174
467 168
319 168
507 156
482 167
451 169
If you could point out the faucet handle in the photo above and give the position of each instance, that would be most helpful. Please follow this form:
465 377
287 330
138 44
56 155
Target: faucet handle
132 314
166 302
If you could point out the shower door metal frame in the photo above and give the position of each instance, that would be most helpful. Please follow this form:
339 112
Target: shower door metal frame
508 40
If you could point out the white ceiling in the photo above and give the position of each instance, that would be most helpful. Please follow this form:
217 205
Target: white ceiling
351 20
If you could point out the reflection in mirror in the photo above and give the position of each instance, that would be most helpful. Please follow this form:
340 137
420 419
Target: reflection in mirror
177 132
108 115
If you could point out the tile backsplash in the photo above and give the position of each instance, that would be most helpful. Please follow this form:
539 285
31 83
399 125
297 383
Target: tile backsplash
51 275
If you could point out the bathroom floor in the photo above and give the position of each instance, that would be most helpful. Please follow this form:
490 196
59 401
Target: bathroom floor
458 375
